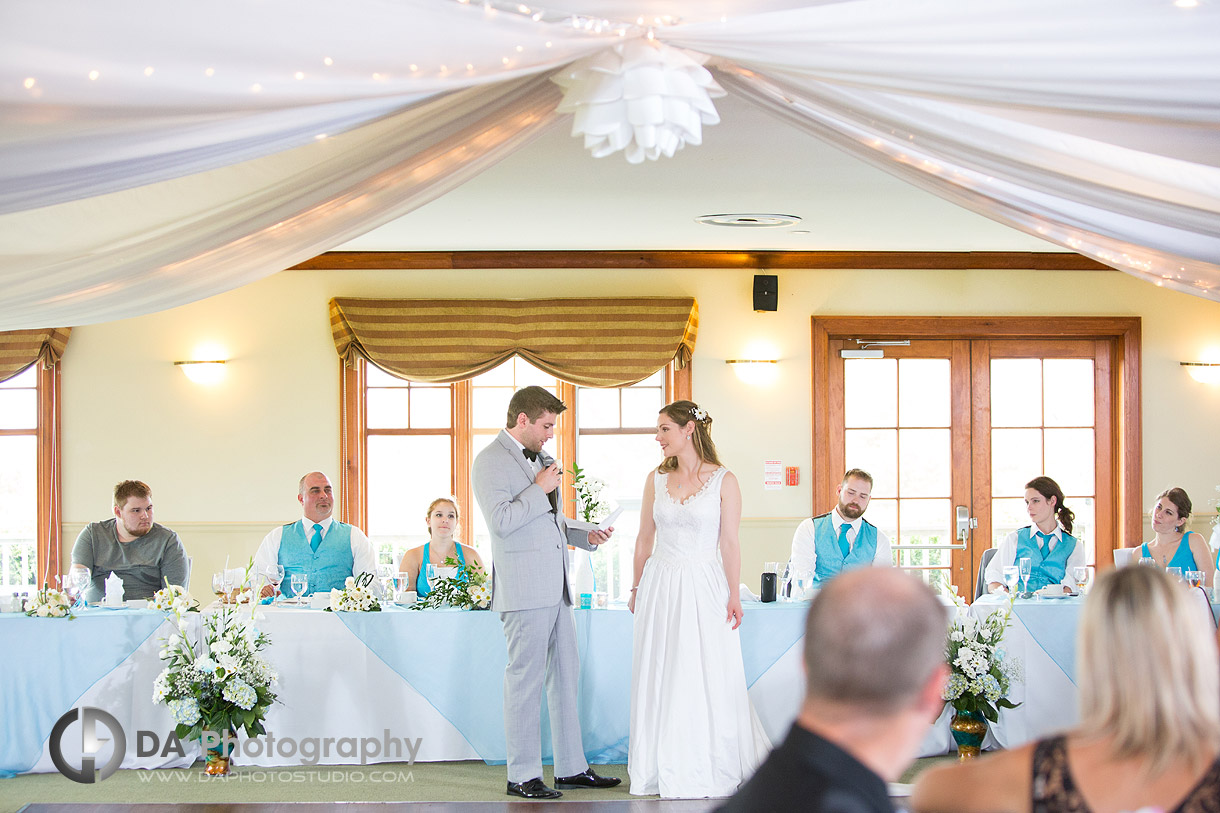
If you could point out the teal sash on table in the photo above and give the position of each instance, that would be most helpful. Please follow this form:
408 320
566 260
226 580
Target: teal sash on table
88 647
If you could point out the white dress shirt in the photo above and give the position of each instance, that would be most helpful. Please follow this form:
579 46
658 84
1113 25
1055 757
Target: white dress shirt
364 557
805 557
1007 556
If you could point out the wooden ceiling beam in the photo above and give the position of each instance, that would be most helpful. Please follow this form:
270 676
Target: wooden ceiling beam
756 260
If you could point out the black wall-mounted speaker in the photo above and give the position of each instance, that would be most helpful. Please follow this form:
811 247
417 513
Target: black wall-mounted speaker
766 292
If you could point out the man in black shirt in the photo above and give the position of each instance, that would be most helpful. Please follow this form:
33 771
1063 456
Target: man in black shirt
874 660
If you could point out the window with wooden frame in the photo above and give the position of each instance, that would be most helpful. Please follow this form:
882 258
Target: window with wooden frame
30 547
407 443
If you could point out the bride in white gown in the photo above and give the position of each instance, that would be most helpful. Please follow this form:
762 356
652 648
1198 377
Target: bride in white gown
694 732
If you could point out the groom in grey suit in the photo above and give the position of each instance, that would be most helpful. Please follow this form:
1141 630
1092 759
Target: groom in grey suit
517 486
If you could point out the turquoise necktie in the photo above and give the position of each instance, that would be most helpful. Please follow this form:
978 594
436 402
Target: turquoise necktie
316 539
843 546
1045 544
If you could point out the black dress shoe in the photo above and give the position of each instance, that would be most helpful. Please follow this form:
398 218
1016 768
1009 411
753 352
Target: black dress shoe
588 779
533 789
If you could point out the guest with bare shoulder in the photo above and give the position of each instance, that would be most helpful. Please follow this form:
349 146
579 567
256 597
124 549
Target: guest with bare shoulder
1149 733
444 524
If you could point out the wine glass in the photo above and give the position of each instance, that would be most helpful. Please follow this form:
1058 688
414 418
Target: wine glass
218 585
274 574
804 583
385 575
1148 560
1175 573
1080 575
1025 565
78 582
1194 578
786 583
1012 575
299 582
430 574
402 583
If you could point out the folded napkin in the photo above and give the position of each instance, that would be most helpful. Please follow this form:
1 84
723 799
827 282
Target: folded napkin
744 593
114 591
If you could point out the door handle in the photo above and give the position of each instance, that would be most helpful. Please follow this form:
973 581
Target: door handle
965 523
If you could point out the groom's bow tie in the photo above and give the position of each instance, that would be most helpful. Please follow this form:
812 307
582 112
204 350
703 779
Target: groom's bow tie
531 456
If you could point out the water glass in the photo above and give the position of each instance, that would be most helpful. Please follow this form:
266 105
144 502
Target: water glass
430 574
1012 575
1194 578
1175 573
1147 560
299 583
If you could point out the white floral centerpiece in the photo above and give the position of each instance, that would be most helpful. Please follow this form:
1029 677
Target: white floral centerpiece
355 597
49 603
590 506
173 598
468 590
219 685
980 671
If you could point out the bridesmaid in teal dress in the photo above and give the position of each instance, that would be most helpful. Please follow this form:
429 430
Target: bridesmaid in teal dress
1174 546
443 524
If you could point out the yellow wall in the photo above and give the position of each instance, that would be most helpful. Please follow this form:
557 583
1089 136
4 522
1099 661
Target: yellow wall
224 460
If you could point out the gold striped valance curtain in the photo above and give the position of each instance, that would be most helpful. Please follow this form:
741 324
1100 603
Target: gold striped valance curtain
21 348
591 342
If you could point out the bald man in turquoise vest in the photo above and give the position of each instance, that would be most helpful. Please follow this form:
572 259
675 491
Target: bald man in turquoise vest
841 539
322 548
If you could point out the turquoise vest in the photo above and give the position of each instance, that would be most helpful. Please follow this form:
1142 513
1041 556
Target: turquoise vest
1182 557
830 560
327 568
1048 570
421 580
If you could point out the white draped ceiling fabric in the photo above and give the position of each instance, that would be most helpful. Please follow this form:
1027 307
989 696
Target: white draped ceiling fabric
153 153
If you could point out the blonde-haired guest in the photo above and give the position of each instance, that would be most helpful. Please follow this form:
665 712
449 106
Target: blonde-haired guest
1149 733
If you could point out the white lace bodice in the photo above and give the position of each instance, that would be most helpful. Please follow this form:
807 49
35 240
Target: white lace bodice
688 530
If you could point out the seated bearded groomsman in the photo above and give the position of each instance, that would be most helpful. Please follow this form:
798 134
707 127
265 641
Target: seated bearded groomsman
841 539
144 554
324 549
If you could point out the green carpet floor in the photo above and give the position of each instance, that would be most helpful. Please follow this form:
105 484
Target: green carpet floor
389 782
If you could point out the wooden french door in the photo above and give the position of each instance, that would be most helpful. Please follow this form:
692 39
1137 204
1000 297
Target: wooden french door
953 424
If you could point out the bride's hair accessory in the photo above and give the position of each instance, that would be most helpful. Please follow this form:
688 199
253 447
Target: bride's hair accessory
699 414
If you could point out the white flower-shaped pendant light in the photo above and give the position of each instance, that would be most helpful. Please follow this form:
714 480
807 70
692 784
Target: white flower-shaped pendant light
641 96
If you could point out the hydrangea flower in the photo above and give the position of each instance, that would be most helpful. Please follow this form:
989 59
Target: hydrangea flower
241 693
185 710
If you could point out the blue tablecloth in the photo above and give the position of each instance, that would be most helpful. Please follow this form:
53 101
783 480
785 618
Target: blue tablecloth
49 663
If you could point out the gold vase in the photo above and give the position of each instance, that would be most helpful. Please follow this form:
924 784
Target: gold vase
216 765
968 728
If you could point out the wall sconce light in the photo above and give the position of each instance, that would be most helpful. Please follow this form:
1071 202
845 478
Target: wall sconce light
757 372
1205 372
202 372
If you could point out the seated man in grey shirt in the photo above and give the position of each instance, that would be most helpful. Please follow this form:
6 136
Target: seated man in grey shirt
144 554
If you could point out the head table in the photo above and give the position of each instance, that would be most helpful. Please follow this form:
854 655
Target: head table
434 678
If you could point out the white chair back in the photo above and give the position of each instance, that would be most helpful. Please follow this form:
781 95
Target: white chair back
1125 556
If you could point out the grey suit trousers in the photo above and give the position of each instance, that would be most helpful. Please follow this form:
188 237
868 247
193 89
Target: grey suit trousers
541 642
